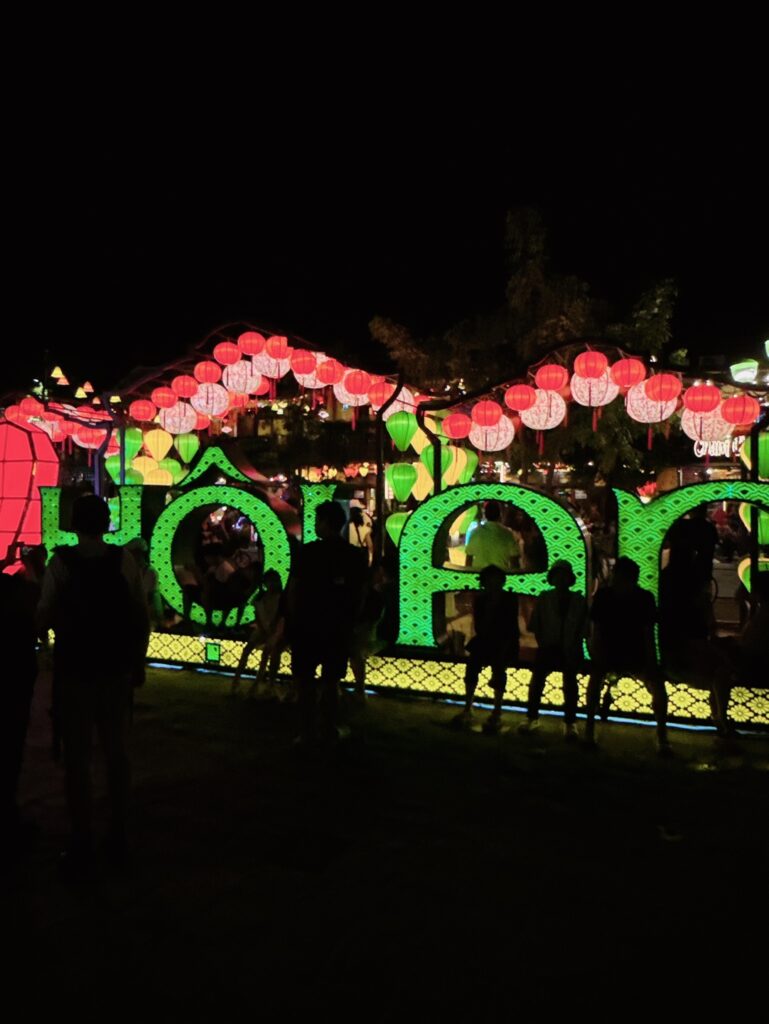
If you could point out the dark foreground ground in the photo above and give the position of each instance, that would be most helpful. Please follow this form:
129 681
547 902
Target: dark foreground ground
414 874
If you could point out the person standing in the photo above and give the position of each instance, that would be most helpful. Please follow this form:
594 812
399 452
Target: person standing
93 599
491 543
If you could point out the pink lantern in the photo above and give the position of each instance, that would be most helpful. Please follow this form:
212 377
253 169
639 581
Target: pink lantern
211 400
271 367
548 411
405 402
180 418
494 437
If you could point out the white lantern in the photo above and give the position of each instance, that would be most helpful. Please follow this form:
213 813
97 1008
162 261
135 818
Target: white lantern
347 397
548 411
493 439
241 378
180 418
211 400
705 426
643 409
273 368
593 391
403 403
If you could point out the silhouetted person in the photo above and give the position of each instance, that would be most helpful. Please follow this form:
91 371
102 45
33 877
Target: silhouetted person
559 623
495 619
94 601
623 617
324 601
267 633
700 534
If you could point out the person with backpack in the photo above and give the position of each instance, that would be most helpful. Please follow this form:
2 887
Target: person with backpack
92 598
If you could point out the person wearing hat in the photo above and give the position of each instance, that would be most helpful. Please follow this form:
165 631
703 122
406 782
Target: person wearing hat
559 624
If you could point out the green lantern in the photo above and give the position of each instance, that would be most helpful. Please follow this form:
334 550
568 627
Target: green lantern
187 446
133 476
394 525
426 457
401 477
746 454
133 442
173 466
401 427
112 465
470 466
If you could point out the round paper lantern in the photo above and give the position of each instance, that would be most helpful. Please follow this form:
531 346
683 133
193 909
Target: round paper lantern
164 397
31 407
270 367
627 372
226 353
456 425
241 377
250 343
520 397
277 347
68 428
89 437
401 477
591 364
379 393
401 427
262 387
187 446
238 400
347 397
357 382
470 467
330 371
303 362
202 422
158 443
548 411
494 438
207 372
184 385
594 391
394 525
705 427
211 400
551 377
702 398
28 461
180 418
456 466
405 402
641 408
486 413
741 409
144 464
14 414
427 458
143 411
662 388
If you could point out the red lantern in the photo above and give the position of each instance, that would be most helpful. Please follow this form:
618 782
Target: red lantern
31 407
302 361
89 437
357 382
184 386
380 392
142 410
486 413
14 415
202 422
164 398
330 372
520 397
702 398
27 462
263 387
226 353
739 409
277 347
552 377
238 400
207 372
250 343
663 387
591 364
456 425
627 372
68 428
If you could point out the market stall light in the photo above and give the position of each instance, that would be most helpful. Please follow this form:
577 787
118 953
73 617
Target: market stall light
744 372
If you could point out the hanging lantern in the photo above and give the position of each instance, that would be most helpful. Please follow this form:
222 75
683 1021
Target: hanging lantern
591 364
551 377
456 425
133 442
277 347
211 400
158 443
143 411
520 397
303 362
158 478
202 422
207 372
250 343
28 461
180 418
263 387
269 366
14 414
357 382
741 409
89 437
347 397
705 427
145 465
401 427
548 411
330 371
427 459
643 409
401 477
456 466
173 467
594 391
466 475
394 525
627 372
405 402
238 400
419 441
31 407
702 398
187 446
746 454
164 397
486 413
241 377
493 438
662 388
184 385
424 482
379 393
112 465
226 353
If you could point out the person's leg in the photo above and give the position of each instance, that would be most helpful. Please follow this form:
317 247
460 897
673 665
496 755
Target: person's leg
248 647
113 722
332 671
358 666
498 684
570 695
655 684
539 674
472 673
77 719
594 685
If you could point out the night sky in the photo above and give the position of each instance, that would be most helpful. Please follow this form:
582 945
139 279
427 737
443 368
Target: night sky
139 242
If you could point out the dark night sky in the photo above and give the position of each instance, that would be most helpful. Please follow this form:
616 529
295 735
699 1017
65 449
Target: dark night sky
136 242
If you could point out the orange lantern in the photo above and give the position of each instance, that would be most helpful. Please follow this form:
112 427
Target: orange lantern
627 372
456 425
663 387
250 343
486 413
330 372
590 364
739 409
142 410
520 397
226 353
552 377
357 382
164 397
702 398
380 392
184 386
277 347
207 372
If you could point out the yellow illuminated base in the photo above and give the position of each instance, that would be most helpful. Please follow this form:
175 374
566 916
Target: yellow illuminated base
446 679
